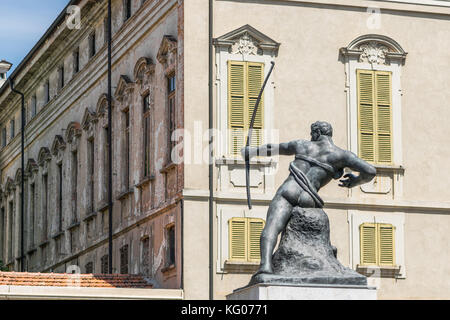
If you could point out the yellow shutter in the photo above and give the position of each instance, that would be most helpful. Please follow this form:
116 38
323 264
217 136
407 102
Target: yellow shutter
237 239
375 115
236 109
244 83
255 228
366 115
384 116
254 84
386 245
368 243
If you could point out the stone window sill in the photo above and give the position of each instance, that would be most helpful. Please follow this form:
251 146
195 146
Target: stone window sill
103 206
90 216
124 194
381 271
73 226
57 235
241 266
44 243
145 181
168 167
31 251
389 168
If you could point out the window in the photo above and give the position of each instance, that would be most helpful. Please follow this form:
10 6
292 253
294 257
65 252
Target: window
10 230
170 255
104 261
4 137
60 197
2 233
92 49
124 259
74 167
12 129
147 136
91 172
377 244
126 9
126 150
47 91
105 162
61 77
44 207
244 239
172 123
33 106
2 76
244 83
375 116
32 213
76 61
105 30
145 256
89 267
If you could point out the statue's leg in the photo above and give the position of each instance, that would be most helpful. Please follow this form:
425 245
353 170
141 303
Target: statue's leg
277 217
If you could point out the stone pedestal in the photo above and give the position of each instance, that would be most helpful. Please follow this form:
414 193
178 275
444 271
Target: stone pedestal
303 292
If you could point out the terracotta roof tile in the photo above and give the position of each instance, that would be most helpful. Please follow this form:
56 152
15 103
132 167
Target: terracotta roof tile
73 280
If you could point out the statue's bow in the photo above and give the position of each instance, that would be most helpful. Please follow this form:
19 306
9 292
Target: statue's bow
249 138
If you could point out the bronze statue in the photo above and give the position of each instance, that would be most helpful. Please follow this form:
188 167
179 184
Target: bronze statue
305 254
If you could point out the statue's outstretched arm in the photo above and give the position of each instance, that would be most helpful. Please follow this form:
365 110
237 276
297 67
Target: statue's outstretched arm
366 171
272 149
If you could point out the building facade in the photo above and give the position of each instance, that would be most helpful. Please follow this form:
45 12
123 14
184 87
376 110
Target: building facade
376 70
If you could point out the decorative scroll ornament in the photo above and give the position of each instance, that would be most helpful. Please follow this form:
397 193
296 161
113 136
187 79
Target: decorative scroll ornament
245 45
373 53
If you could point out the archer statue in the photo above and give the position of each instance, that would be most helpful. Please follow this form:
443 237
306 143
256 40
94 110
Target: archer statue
305 252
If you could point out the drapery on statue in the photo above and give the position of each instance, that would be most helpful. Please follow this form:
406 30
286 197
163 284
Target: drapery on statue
305 254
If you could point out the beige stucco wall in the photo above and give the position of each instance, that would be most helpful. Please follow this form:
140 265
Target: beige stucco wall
309 80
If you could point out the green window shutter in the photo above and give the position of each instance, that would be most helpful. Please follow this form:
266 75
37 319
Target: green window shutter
366 116
384 116
255 228
386 245
368 244
237 239
254 83
244 83
236 105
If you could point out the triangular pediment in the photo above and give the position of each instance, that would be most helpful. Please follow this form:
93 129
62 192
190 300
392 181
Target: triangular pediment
31 166
247 40
168 44
44 155
9 185
102 105
58 144
73 129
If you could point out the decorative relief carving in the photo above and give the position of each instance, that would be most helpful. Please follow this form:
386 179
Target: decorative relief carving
373 53
245 45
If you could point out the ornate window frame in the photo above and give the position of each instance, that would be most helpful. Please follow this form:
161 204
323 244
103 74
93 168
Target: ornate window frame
381 53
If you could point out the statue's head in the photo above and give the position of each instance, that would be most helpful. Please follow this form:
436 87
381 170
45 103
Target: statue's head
320 128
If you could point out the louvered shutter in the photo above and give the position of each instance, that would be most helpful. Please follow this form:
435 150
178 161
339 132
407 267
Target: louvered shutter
254 83
368 244
237 239
255 228
366 115
384 116
236 108
386 245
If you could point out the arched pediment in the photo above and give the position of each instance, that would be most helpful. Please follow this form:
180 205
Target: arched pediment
168 46
73 130
102 105
18 177
44 155
58 144
122 87
247 40
143 65
375 49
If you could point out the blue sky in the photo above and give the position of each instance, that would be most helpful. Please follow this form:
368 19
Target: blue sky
23 23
